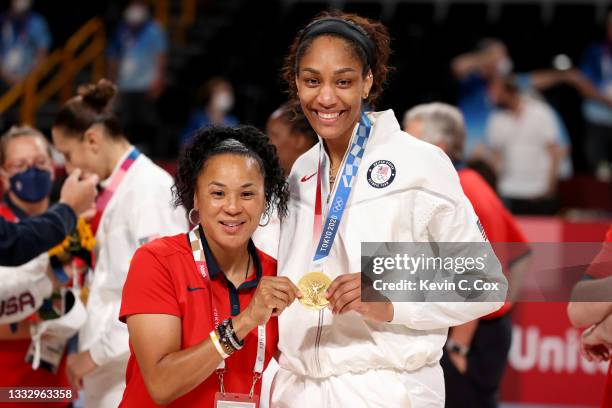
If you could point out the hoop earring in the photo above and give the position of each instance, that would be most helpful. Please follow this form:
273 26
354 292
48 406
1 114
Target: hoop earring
190 214
267 220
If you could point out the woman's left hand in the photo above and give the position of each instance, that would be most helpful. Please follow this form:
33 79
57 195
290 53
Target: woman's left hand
344 294
78 366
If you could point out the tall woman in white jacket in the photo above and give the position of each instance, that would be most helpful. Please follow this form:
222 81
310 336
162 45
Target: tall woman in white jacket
133 207
355 353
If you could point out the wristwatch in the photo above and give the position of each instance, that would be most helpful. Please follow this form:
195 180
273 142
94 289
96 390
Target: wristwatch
454 347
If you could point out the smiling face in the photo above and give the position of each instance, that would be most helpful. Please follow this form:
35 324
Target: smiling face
331 87
230 199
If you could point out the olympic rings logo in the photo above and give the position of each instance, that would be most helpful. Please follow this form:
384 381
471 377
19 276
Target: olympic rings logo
338 204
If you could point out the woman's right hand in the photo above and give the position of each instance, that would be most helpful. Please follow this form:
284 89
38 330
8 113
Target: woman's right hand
272 296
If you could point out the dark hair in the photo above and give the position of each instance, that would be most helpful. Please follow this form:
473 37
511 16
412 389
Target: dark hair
296 121
241 140
369 41
21 131
91 106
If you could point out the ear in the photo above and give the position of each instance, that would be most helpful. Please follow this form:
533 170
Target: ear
93 139
297 83
195 200
367 86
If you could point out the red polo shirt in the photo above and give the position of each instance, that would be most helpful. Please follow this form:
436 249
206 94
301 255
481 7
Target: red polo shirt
163 280
497 222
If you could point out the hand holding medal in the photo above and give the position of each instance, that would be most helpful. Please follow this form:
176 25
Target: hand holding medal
344 295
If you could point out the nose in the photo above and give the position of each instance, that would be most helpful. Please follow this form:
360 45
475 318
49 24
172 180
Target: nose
327 96
232 205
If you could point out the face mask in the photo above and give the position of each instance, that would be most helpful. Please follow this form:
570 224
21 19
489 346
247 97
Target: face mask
223 101
136 14
505 66
31 185
21 6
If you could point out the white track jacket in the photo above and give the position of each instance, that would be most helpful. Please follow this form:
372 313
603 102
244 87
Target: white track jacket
424 202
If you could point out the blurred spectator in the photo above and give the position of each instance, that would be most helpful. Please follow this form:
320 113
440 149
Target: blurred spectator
25 42
26 171
473 369
597 66
292 135
491 60
216 100
137 58
133 208
524 136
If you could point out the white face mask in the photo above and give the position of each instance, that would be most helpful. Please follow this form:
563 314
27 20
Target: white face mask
21 6
136 14
505 66
223 101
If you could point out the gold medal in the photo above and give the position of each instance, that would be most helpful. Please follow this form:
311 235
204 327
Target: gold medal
313 286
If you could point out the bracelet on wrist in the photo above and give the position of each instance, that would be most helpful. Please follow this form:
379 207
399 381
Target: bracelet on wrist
454 347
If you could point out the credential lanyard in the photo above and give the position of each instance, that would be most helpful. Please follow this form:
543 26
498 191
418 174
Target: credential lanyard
105 196
343 187
197 250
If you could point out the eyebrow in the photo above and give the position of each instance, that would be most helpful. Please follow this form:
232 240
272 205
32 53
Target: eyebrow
216 183
336 72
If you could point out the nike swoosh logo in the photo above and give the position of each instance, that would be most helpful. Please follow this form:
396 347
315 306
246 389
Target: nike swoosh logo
190 289
306 178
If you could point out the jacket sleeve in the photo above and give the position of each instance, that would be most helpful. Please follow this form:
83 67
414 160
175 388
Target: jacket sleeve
23 241
453 220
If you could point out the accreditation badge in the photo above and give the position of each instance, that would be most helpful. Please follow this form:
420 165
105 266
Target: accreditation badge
313 286
235 400
51 352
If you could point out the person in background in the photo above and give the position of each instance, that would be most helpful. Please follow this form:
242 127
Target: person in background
591 310
24 42
490 60
596 65
133 208
26 173
292 135
137 63
524 138
22 241
216 100
473 370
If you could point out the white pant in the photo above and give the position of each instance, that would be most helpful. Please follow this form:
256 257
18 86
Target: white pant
423 388
104 386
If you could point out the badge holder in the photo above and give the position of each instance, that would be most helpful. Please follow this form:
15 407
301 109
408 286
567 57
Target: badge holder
236 400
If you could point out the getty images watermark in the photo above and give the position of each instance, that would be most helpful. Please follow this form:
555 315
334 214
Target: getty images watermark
431 272
483 272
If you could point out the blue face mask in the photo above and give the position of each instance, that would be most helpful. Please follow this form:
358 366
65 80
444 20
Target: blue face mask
31 185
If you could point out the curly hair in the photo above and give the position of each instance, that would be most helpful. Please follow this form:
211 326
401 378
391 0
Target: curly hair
375 31
241 140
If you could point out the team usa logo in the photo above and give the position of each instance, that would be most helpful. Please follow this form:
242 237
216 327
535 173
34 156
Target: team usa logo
381 173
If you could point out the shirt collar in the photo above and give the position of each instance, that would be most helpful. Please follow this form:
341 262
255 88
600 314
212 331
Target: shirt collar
19 213
215 271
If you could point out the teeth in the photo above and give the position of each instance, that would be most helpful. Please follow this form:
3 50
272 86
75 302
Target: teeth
329 115
231 224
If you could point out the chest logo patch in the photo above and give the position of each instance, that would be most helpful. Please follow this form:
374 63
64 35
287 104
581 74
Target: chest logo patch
381 173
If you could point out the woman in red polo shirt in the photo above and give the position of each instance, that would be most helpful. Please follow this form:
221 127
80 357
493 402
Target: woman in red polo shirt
201 307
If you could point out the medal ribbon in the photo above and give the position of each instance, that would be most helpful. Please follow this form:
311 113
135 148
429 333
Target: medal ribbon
201 268
343 187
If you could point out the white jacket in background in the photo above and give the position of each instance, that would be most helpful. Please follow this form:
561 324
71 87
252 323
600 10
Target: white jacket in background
139 211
